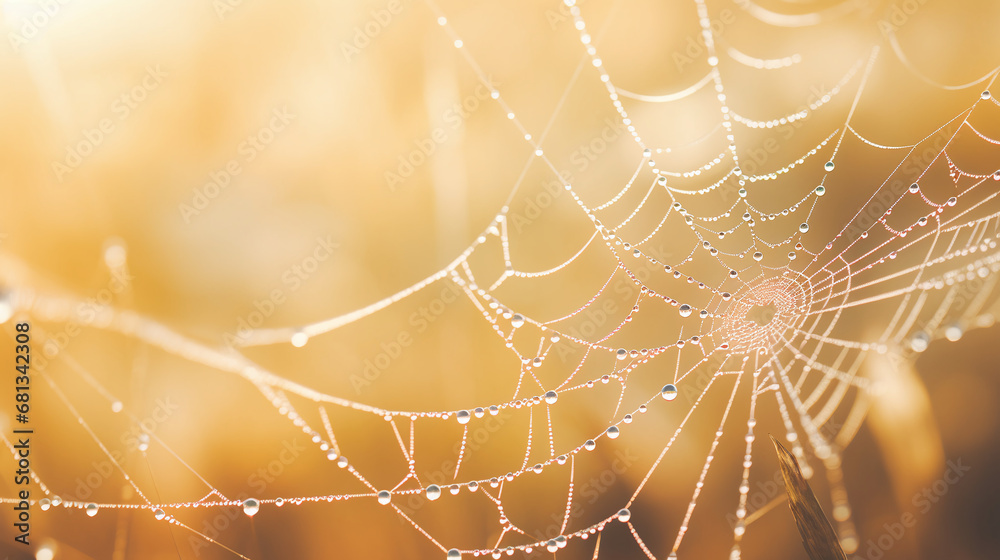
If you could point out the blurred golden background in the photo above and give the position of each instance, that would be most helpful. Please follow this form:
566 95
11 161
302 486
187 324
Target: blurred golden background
217 163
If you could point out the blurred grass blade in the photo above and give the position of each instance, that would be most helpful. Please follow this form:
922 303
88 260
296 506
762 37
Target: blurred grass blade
818 536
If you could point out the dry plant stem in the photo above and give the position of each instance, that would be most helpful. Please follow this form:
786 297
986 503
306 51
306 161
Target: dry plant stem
818 536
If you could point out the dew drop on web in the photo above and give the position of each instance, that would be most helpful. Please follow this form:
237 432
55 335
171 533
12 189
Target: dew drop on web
669 392
517 321
251 507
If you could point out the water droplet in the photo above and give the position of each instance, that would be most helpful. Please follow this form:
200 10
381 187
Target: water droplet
159 514
647 153
143 442
279 502
590 445
479 412
454 554
919 342
669 392
117 406
552 546
251 507
551 397
914 188
952 201
463 416
621 353
803 227
342 462
45 552
56 501
758 256
517 321
953 332
332 455
742 192
791 255
624 515
114 253
613 432
44 503
494 410
91 510
299 339
433 492
384 497
986 94
685 310
820 190
828 166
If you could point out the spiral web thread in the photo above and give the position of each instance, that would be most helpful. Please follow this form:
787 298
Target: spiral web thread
766 317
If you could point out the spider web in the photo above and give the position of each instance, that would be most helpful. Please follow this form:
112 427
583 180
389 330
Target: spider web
758 317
